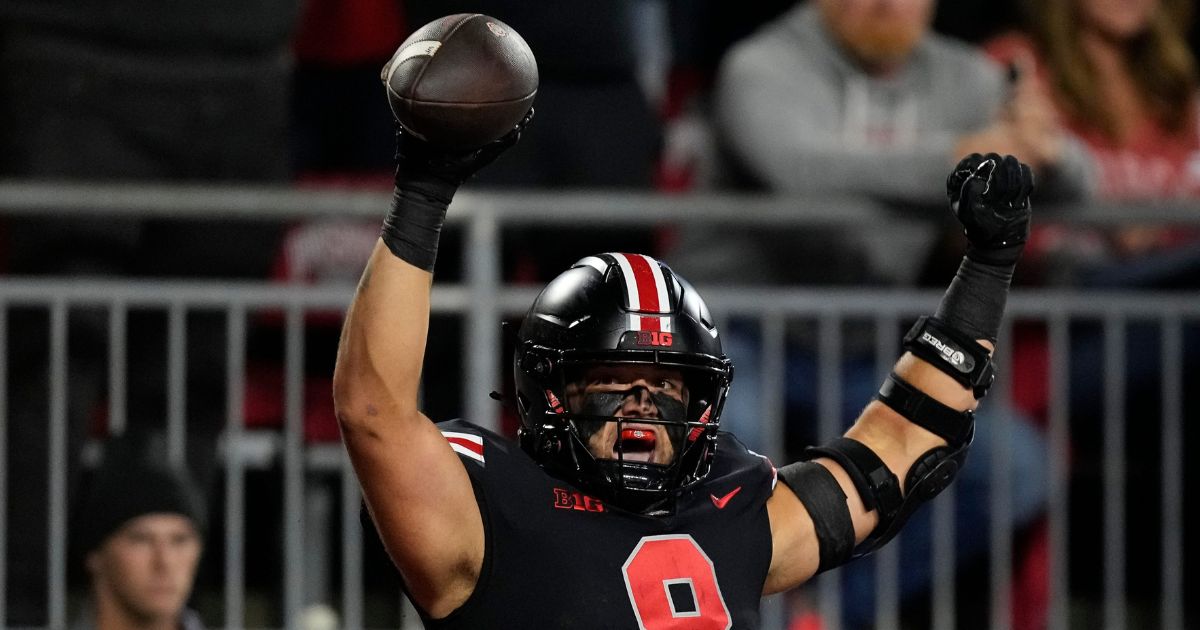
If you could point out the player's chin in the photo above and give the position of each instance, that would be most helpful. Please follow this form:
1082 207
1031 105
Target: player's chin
662 454
645 457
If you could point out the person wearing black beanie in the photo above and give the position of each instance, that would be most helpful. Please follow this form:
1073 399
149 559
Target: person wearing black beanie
139 530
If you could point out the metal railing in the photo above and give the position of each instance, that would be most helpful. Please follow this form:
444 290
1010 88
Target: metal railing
482 300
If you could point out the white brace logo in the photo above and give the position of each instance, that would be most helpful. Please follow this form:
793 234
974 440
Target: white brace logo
955 357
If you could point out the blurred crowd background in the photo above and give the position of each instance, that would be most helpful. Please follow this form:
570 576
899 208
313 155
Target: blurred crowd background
868 100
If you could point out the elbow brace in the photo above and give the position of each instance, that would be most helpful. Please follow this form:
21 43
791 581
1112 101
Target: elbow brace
878 487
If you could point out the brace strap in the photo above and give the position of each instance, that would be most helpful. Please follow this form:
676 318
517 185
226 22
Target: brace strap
948 423
952 352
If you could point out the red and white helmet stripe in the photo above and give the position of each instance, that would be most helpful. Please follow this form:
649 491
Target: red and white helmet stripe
646 292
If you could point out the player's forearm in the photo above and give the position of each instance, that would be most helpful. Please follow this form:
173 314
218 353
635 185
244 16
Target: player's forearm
382 346
911 441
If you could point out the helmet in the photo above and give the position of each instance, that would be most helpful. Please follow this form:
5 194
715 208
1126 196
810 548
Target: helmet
625 311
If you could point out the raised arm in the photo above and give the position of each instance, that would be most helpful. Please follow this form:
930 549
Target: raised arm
849 497
417 491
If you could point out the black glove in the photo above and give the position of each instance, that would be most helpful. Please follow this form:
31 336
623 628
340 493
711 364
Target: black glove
990 196
426 180
424 168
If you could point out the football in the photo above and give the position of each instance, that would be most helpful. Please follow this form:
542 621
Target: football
461 81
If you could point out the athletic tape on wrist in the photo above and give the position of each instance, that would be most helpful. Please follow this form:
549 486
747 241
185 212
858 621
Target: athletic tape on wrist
413 227
975 300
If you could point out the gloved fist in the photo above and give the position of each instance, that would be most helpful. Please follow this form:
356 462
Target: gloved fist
418 162
990 196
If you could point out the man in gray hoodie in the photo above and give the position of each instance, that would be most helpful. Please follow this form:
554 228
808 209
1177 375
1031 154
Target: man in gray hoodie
860 96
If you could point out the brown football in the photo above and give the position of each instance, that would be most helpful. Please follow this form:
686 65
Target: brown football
461 81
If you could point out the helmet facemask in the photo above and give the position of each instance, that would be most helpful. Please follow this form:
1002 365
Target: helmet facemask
634 443
634 440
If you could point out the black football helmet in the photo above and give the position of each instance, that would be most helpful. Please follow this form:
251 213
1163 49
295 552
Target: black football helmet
620 310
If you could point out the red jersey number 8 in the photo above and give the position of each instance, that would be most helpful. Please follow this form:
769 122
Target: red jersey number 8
673 586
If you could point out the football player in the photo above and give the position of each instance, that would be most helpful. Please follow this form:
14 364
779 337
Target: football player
622 504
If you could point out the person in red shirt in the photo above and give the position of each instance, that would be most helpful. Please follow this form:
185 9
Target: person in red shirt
1124 81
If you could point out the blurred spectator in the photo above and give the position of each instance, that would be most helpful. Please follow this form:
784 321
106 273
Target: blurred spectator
342 127
110 90
139 531
857 97
861 98
1123 80
119 90
342 133
594 123
594 128
700 33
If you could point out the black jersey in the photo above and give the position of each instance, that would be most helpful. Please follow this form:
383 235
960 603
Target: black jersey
556 557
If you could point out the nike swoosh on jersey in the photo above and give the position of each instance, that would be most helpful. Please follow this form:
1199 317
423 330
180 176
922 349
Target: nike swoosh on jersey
720 503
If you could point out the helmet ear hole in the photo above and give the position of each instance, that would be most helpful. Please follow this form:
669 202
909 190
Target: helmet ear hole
536 365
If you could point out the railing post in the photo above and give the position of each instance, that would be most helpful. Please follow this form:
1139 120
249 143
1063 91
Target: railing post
481 353
1001 505
1058 456
293 467
887 560
57 460
829 411
3 465
235 505
1114 472
117 381
1172 474
177 385
352 560
773 387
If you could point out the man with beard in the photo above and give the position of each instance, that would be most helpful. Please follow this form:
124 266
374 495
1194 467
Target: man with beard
821 100
857 99
860 98
621 504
